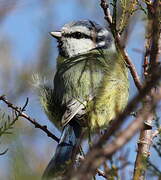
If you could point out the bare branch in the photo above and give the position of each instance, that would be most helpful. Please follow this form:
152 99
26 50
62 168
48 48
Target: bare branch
147 52
121 49
98 171
33 121
156 133
156 25
152 51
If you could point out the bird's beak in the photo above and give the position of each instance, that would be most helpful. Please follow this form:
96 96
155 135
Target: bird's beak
56 34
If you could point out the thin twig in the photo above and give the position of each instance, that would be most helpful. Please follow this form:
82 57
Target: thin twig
156 133
4 152
33 121
155 169
101 173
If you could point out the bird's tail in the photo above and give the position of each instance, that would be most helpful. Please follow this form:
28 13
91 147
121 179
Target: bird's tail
62 160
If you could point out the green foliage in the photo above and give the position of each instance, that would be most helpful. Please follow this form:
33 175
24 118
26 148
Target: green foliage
140 7
7 121
128 8
6 125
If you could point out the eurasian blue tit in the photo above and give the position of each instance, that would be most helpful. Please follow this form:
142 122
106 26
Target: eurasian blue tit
90 88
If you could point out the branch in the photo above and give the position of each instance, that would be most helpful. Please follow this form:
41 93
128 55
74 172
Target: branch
124 54
156 28
152 53
144 143
107 171
146 134
147 52
33 121
98 171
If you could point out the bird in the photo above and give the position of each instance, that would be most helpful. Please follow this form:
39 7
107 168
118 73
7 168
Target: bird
90 88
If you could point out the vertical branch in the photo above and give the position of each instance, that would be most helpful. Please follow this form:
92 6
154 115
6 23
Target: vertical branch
155 11
151 57
119 46
144 144
114 16
151 64
147 52
147 44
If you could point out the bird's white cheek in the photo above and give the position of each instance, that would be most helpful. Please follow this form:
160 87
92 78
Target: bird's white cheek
78 46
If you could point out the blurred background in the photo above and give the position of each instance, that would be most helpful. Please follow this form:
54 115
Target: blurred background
27 48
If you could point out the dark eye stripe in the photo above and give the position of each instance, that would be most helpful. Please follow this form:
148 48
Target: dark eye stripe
78 35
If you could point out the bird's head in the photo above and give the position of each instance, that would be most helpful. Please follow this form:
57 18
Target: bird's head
82 36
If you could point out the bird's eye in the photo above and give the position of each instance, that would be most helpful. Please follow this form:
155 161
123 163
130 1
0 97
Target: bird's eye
77 35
